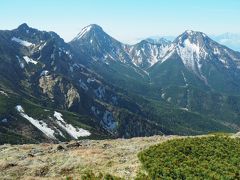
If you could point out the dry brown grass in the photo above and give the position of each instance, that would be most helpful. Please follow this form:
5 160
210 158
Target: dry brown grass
53 161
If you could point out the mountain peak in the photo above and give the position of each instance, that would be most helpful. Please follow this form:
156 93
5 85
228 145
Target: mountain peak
94 26
88 29
23 26
191 33
195 37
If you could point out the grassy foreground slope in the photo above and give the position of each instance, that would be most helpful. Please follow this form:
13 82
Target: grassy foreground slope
212 157
143 158
75 159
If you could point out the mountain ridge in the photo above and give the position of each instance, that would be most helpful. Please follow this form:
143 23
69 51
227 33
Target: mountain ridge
110 89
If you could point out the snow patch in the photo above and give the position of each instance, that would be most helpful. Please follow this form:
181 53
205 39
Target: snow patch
185 79
168 54
72 131
163 95
41 47
3 93
20 62
83 32
29 60
89 80
69 54
224 62
44 73
191 55
185 109
22 42
216 51
41 125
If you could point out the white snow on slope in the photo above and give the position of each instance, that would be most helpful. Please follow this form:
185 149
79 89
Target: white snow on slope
84 31
185 79
44 73
89 80
29 60
22 42
150 54
20 62
72 131
42 126
192 55
185 109
41 46
3 93
189 53
168 55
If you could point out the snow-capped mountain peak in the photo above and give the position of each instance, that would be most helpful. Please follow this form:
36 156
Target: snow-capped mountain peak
198 52
191 45
101 47
194 37
88 29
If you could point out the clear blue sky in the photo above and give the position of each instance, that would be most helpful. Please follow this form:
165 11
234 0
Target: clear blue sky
126 20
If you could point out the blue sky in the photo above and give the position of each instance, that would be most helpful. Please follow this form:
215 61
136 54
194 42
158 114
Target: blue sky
126 20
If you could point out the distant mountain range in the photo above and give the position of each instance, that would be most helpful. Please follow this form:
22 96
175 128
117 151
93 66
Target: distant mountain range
229 39
97 87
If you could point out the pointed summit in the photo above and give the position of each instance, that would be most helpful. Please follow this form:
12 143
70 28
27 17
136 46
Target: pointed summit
94 41
25 29
88 29
23 26
195 37
198 52
95 26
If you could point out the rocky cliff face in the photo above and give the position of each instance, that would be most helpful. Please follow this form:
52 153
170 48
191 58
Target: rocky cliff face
59 91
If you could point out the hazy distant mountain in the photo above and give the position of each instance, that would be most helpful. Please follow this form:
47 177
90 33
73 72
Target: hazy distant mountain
229 39
169 38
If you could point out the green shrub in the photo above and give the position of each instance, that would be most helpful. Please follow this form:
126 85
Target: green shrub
213 157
